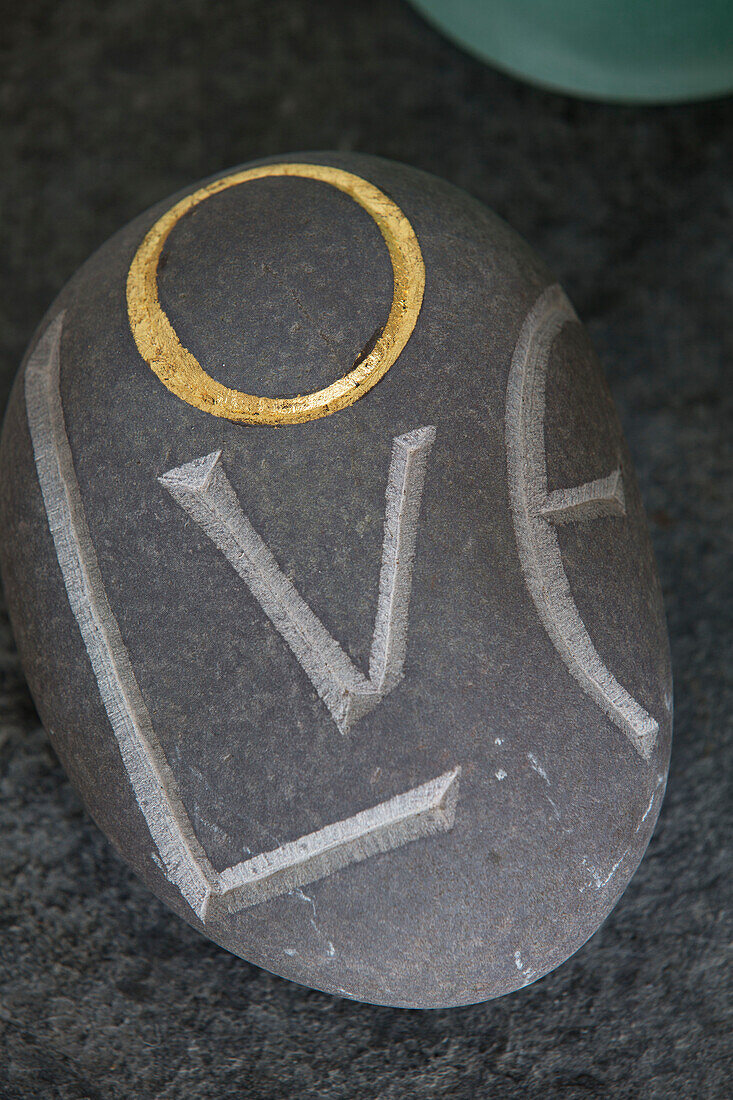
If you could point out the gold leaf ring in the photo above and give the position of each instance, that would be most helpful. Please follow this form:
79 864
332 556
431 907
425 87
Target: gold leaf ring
181 372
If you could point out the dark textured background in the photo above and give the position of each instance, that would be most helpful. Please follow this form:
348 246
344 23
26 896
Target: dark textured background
107 108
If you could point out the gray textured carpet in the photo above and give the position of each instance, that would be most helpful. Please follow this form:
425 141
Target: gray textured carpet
108 107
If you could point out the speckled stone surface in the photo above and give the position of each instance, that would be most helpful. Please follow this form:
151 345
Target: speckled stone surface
631 209
184 714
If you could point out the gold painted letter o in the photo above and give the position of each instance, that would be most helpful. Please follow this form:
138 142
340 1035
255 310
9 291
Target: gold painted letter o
181 372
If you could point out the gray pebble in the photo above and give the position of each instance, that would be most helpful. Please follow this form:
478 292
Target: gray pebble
331 580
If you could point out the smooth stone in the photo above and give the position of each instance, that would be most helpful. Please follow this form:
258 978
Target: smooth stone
380 701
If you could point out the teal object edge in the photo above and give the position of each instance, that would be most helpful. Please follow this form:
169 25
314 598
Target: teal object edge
625 51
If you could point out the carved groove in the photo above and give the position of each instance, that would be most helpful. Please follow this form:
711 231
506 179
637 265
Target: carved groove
152 782
420 812
536 512
203 490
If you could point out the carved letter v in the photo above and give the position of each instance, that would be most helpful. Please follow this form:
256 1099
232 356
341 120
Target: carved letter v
201 488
